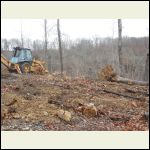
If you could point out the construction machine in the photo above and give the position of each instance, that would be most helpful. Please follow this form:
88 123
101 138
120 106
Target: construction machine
23 62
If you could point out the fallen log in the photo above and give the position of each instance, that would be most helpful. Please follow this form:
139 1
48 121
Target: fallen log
108 73
116 93
137 91
128 81
121 94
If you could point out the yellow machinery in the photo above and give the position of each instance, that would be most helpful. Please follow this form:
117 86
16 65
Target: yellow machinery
10 66
22 62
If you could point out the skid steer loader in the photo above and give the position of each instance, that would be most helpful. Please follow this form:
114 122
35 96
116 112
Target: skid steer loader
22 62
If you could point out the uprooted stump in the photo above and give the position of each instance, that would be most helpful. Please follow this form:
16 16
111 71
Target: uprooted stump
108 74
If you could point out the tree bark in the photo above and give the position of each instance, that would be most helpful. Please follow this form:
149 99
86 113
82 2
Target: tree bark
129 81
60 46
146 74
120 44
50 63
22 40
45 38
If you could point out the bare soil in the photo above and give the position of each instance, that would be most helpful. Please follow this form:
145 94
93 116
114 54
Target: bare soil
32 102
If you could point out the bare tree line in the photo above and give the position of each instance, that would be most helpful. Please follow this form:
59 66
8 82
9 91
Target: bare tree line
83 54
86 57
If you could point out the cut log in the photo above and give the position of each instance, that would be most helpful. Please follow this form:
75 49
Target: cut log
128 81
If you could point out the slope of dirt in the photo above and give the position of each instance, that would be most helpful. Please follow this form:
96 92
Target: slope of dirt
35 102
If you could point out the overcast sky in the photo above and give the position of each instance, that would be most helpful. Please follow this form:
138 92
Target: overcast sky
73 28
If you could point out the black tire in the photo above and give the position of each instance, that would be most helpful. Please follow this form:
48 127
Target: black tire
25 67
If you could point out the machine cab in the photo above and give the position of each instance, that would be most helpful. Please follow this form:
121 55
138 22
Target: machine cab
21 55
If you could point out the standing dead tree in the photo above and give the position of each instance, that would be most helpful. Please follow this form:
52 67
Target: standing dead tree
120 44
45 38
60 46
22 40
146 74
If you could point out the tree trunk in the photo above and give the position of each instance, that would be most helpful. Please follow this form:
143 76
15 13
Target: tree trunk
129 81
50 63
120 45
22 41
60 47
45 38
146 74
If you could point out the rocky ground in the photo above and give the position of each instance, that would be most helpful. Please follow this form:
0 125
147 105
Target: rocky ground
49 102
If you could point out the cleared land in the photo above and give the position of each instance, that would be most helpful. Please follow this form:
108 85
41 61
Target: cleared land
49 102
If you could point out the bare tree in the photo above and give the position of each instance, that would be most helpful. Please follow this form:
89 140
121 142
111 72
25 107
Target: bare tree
47 54
45 38
15 42
146 74
22 40
5 44
120 44
60 47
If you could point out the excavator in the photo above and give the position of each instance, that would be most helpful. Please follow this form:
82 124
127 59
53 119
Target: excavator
22 62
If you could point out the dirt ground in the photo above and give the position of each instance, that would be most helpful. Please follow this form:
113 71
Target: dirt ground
49 102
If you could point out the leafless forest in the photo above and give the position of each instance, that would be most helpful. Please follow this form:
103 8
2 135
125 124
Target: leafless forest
85 57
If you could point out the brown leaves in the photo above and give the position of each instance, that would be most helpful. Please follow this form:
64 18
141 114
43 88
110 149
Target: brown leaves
75 104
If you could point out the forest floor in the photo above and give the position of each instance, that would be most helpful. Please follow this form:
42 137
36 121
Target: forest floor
51 103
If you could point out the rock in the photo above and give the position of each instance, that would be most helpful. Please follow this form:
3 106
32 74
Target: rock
16 116
45 113
90 110
65 115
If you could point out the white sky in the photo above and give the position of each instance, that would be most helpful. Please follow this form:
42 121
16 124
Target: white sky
74 28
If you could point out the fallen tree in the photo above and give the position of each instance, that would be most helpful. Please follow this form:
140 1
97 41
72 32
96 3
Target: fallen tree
109 74
128 81
121 94
117 93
